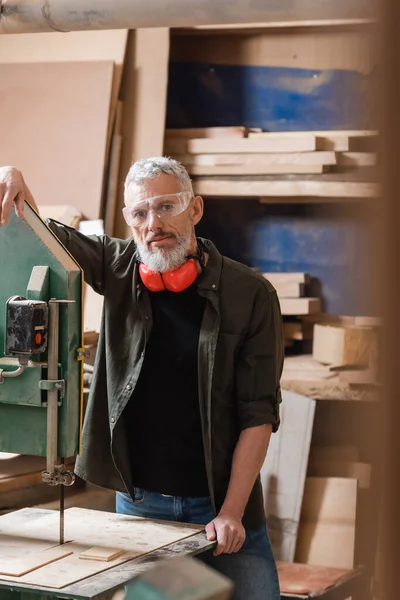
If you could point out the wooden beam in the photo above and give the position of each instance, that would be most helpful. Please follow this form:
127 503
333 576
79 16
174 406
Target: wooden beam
288 158
207 132
341 346
299 306
286 188
341 140
274 143
282 278
254 169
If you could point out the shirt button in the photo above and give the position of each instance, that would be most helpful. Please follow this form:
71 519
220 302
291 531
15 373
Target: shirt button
112 420
213 286
129 387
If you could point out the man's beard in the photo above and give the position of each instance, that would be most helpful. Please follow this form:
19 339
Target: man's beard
165 259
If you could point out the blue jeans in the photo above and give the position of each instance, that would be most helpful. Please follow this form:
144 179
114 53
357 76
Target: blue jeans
252 569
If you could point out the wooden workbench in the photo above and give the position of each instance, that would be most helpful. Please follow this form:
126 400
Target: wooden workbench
307 377
102 584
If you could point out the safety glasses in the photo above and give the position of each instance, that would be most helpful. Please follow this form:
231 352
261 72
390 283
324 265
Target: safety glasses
165 207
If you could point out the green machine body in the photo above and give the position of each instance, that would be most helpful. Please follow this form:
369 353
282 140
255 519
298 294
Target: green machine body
41 368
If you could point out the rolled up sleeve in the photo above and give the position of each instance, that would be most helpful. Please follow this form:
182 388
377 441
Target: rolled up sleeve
260 364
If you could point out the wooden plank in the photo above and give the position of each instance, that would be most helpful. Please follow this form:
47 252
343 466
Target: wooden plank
33 561
352 470
101 45
327 526
253 169
284 471
206 132
101 553
356 159
283 278
328 319
239 28
144 96
275 143
290 290
284 158
342 345
342 141
299 306
112 184
295 188
50 119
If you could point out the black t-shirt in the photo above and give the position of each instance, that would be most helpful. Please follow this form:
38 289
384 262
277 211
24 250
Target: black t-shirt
163 414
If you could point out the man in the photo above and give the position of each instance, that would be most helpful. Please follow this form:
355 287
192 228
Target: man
186 389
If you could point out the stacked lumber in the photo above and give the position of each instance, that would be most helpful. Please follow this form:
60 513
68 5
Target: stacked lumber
237 161
295 302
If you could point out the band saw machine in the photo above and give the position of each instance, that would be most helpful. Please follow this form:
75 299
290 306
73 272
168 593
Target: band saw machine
41 348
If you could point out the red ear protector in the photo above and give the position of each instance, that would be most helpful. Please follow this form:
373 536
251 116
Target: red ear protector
176 280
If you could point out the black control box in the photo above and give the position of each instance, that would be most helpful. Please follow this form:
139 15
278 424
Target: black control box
26 326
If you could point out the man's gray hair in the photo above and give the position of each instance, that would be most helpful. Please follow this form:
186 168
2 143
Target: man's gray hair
149 168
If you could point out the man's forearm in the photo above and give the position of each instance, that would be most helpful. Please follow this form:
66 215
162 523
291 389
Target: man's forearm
248 459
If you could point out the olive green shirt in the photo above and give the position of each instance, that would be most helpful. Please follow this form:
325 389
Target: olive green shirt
240 360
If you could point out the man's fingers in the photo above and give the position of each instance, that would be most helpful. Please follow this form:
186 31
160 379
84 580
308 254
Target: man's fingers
225 538
6 206
239 543
19 204
210 531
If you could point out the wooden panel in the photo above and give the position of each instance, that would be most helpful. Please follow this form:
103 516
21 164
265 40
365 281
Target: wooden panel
101 553
284 472
342 140
299 306
342 345
108 45
290 290
288 158
134 535
144 96
295 188
327 526
272 143
48 106
206 132
253 169
35 560
283 278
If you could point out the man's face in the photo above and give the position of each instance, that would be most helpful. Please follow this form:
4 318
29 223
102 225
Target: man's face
163 244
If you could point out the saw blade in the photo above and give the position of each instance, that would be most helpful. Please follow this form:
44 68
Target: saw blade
62 496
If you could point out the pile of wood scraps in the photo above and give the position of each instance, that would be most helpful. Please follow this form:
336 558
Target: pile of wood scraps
237 161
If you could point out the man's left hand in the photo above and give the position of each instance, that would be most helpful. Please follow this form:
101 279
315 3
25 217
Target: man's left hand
229 533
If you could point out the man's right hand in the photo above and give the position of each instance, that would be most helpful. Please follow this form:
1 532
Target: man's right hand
13 191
